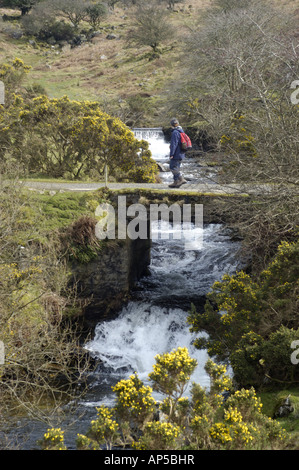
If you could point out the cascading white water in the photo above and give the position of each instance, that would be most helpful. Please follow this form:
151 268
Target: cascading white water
153 322
156 320
129 343
157 142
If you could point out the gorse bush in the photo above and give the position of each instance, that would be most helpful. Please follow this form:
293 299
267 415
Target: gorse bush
203 421
240 63
53 440
134 400
255 321
65 138
103 429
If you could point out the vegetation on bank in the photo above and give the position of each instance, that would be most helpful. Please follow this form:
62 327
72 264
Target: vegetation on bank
40 312
240 97
255 322
204 421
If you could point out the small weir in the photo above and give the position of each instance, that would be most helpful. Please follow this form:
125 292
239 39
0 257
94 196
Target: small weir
194 170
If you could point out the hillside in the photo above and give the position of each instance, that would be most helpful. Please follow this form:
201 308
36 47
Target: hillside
109 70
103 69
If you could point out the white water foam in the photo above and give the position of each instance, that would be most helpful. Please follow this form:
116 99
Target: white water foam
130 342
154 325
157 142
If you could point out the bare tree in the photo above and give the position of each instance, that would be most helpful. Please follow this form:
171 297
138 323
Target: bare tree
73 10
152 26
96 13
237 86
23 5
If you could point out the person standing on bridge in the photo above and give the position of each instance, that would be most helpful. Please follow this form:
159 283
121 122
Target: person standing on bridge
176 154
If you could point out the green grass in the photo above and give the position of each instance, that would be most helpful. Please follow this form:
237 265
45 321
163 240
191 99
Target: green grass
61 209
41 215
174 192
290 423
46 179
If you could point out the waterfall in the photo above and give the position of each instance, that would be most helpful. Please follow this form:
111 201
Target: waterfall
130 342
155 320
157 142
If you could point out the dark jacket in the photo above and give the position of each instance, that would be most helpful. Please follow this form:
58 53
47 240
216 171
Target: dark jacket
175 144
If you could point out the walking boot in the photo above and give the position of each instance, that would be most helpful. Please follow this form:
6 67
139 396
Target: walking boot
182 180
175 184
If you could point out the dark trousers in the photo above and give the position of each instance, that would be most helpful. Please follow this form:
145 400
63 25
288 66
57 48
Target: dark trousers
175 167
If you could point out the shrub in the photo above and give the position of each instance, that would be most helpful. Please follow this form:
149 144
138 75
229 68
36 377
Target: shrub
42 356
135 403
95 14
159 436
253 323
64 138
79 240
59 30
53 439
103 431
210 422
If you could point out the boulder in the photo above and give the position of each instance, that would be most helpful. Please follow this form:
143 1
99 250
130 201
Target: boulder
111 36
283 408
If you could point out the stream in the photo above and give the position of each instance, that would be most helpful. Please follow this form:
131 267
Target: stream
152 322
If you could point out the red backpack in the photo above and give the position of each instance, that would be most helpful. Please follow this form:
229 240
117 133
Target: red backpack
185 142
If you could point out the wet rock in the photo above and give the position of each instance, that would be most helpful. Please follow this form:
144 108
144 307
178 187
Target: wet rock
283 408
161 167
15 34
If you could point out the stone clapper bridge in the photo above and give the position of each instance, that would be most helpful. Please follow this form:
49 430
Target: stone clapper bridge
152 190
109 277
212 196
